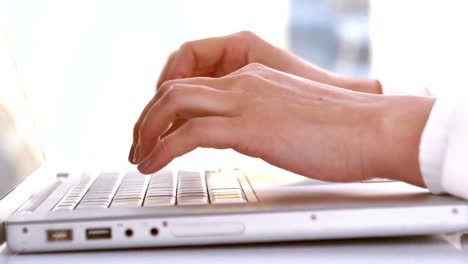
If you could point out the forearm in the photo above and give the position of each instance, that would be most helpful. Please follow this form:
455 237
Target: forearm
397 137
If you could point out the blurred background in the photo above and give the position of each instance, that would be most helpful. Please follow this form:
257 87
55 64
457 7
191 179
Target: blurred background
87 68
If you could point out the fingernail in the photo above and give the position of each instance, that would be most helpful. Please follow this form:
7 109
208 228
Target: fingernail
136 154
130 155
144 164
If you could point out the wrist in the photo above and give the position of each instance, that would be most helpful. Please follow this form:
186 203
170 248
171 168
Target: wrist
400 121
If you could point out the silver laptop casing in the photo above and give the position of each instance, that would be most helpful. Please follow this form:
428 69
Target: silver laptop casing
277 211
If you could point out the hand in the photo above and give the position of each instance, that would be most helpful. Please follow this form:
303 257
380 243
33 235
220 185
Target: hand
303 126
216 57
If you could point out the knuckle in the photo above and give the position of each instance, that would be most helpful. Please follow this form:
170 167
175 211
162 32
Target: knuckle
166 85
253 72
173 54
186 46
247 77
173 94
246 34
255 66
250 68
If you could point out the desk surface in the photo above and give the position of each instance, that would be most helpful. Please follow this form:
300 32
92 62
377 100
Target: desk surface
429 249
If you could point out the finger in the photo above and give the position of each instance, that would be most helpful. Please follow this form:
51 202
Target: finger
227 82
174 126
207 132
162 78
137 125
182 102
131 154
204 81
167 68
212 57
224 83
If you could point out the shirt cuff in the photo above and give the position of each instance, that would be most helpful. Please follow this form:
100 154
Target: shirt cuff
434 142
454 176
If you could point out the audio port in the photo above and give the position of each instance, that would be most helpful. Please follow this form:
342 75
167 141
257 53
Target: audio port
128 232
154 231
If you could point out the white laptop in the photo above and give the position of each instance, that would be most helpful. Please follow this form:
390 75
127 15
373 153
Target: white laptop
66 211
43 209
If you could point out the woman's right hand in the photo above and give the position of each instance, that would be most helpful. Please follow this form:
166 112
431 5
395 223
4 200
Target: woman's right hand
307 127
219 56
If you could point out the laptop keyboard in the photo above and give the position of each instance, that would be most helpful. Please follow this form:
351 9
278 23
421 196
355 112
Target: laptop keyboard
112 190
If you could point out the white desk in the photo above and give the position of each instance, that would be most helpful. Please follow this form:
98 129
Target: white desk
426 250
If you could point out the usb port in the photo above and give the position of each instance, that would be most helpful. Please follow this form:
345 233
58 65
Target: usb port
59 235
98 233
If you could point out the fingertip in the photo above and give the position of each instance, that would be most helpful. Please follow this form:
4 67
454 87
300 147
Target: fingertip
143 167
149 165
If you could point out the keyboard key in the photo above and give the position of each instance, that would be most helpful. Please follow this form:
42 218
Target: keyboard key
224 188
191 188
161 189
131 190
221 180
192 201
101 191
74 195
159 201
91 206
64 207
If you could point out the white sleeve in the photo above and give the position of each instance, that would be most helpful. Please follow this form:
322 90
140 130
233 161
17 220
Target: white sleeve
443 148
